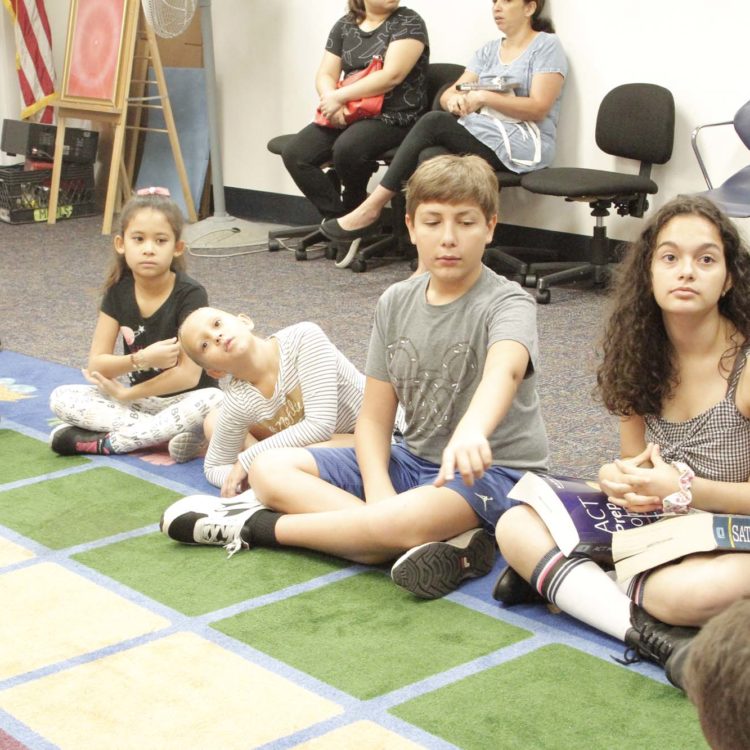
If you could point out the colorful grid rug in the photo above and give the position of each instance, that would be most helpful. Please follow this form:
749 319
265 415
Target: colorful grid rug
112 636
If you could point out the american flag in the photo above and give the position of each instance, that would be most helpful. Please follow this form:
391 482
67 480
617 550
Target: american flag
36 72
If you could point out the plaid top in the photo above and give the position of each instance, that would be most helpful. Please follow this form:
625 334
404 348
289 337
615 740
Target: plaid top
714 444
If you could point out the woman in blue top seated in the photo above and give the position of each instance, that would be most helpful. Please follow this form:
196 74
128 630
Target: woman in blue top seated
513 130
370 28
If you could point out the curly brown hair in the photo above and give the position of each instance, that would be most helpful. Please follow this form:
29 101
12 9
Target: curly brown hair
637 372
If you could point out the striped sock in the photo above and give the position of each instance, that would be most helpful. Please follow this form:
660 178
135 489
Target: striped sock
579 587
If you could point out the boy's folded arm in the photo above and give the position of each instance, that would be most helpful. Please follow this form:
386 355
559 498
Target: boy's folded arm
372 437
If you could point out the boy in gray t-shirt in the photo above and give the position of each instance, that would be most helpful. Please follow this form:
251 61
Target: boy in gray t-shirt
457 348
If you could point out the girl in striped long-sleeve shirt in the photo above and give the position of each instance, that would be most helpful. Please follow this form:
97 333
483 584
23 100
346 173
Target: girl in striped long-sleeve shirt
292 389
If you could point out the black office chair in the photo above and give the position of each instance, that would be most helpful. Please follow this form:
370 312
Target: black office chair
733 195
635 121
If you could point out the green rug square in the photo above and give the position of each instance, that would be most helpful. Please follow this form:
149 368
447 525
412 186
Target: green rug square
23 457
84 506
199 579
557 697
367 637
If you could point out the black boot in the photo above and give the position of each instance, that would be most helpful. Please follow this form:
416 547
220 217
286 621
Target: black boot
666 645
511 589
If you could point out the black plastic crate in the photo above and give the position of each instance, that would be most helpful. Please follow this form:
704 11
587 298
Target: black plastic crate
24 194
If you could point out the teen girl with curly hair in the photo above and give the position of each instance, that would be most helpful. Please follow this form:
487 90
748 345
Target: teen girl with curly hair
673 370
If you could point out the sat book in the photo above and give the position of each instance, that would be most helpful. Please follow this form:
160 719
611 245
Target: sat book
673 537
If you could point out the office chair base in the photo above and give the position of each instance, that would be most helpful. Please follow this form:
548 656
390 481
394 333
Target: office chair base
386 249
276 237
597 272
518 263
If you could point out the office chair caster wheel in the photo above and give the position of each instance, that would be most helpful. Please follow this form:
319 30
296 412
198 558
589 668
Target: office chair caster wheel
543 296
274 246
529 281
358 265
330 252
300 254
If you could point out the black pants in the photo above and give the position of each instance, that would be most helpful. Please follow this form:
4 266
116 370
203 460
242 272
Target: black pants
352 152
434 133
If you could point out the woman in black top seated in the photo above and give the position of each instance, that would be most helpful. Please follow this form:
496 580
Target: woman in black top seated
371 27
513 130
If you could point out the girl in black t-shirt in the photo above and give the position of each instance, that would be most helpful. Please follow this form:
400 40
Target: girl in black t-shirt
147 295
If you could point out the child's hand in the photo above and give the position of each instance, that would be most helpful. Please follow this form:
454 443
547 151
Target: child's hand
161 355
236 481
109 387
468 453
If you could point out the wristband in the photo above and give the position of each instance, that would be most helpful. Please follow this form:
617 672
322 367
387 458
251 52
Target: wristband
679 502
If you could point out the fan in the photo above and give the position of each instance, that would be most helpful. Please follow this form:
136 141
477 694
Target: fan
169 18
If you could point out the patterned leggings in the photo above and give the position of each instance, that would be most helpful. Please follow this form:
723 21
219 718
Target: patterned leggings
137 424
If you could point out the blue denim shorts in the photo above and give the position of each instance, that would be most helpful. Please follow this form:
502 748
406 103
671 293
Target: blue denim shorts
488 497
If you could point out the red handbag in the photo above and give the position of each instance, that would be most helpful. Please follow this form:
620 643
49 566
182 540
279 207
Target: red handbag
357 109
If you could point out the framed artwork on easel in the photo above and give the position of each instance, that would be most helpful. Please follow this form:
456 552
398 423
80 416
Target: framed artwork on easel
97 54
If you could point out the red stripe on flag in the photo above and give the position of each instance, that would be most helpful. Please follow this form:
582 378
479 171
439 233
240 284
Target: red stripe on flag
33 46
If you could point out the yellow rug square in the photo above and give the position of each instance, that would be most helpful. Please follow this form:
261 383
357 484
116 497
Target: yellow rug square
364 735
177 692
51 614
12 553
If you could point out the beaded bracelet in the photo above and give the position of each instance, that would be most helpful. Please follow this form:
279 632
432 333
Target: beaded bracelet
679 502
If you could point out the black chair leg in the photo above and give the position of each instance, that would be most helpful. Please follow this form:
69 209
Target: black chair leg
394 245
597 268
277 236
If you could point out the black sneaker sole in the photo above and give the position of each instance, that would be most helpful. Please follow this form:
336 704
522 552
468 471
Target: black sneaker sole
435 569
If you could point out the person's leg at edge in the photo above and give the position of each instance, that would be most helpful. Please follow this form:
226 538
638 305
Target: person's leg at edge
697 588
432 129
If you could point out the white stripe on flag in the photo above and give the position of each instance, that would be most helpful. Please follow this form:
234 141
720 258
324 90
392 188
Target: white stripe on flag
36 72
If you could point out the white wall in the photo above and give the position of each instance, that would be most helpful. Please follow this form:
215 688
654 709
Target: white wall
267 52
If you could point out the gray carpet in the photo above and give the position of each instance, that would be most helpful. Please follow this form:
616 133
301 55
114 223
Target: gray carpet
50 288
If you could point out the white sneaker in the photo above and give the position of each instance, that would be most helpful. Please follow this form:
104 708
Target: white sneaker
185 446
205 519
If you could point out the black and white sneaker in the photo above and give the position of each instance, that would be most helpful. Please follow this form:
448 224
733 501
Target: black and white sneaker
205 519
435 569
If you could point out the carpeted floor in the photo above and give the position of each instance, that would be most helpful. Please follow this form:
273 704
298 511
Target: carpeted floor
114 636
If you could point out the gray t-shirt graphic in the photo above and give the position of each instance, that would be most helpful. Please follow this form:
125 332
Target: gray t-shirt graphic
434 356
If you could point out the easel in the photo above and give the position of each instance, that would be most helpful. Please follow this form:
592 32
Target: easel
136 33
